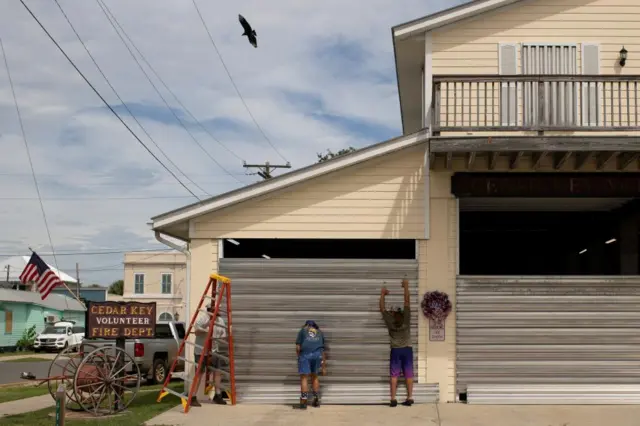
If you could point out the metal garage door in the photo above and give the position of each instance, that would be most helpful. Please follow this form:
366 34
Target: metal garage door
272 299
548 340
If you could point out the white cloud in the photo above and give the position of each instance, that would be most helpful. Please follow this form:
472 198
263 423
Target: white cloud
330 58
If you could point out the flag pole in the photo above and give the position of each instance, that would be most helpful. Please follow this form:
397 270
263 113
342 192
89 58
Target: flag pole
65 285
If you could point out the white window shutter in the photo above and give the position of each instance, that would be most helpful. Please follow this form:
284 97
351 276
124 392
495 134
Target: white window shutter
508 65
590 92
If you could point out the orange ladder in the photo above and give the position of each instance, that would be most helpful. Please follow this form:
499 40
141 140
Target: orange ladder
218 289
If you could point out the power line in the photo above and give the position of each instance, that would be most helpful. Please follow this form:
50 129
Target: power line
104 9
26 145
121 100
264 135
93 253
105 102
166 86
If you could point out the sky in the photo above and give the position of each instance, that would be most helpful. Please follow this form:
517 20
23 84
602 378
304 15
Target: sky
322 77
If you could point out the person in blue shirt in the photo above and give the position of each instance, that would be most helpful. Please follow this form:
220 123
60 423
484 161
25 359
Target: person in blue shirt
311 361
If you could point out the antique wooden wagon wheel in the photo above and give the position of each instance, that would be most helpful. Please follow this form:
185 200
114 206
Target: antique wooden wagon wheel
62 371
106 381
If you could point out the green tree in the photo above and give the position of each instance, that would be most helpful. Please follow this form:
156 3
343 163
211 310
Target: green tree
322 157
117 287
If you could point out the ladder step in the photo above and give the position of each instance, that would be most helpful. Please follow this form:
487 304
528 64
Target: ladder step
172 392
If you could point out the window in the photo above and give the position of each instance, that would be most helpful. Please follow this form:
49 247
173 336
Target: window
8 322
166 283
163 331
139 284
76 330
166 316
560 99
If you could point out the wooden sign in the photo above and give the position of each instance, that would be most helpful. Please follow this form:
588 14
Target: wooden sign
118 320
436 331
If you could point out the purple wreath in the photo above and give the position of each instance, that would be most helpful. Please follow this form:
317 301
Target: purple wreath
436 305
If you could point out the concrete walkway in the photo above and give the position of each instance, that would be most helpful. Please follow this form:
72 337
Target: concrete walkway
418 415
26 405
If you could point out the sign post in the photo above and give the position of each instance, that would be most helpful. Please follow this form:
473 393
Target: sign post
61 403
120 321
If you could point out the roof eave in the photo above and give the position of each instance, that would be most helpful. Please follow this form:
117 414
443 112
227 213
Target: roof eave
446 17
286 180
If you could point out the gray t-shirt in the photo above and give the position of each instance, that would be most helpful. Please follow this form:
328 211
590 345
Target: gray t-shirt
399 335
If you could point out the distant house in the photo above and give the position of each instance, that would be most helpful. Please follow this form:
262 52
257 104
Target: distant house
156 277
87 294
12 267
19 310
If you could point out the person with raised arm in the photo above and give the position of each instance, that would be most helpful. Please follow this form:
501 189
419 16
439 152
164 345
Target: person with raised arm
398 323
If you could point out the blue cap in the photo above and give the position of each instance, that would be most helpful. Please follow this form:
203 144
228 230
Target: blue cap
311 323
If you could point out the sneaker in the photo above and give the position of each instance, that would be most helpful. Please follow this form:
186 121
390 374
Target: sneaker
408 403
303 404
195 402
394 403
316 402
218 399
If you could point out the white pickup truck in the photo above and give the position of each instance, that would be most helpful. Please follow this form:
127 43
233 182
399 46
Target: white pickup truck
153 356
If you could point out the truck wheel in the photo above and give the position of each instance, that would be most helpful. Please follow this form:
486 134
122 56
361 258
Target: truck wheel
160 371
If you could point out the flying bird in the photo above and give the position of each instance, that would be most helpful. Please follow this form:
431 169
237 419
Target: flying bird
248 31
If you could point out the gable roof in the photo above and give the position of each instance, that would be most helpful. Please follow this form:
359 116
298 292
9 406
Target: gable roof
409 51
286 180
448 16
58 302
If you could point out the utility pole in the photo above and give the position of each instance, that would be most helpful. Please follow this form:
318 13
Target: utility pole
77 280
264 170
8 269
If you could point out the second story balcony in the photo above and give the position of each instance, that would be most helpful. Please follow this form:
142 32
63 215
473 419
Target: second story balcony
535 103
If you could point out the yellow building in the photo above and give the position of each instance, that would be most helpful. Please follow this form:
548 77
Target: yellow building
157 277
511 189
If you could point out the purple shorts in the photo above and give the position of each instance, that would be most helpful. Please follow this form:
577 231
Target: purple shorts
401 362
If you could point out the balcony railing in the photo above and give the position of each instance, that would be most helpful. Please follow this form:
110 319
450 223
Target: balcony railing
535 103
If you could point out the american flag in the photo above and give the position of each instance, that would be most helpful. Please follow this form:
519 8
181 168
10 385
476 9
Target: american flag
39 272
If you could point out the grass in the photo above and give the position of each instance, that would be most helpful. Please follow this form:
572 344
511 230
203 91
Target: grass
27 359
22 392
143 408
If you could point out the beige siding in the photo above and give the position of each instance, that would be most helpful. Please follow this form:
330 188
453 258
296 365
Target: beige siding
382 198
471 47
153 265
204 262
437 259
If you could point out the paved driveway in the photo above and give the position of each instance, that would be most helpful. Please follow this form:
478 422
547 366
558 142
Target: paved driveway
10 371
418 415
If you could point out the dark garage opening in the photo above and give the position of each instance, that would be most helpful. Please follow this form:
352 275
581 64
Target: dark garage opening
286 248
540 243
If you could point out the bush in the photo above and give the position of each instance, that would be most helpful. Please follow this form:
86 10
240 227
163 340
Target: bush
27 340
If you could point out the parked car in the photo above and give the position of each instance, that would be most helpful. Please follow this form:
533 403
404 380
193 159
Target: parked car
58 336
153 356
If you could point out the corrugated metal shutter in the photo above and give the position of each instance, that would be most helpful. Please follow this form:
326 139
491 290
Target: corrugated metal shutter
532 331
271 299
561 98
